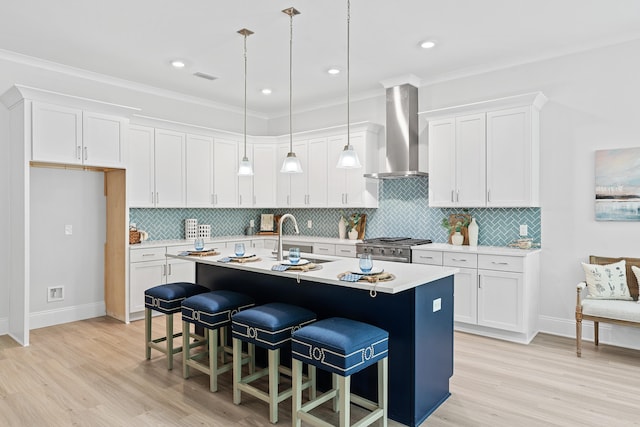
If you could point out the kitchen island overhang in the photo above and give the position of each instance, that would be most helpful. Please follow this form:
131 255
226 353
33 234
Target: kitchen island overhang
416 308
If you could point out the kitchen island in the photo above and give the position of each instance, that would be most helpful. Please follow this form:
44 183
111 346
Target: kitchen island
416 308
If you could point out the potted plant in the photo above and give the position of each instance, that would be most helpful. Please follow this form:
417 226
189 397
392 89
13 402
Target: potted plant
455 225
351 224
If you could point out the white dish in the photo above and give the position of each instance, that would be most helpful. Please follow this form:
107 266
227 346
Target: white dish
242 256
374 270
301 262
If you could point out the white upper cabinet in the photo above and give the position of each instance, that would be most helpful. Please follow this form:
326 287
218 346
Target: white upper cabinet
156 168
485 154
72 136
317 173
199 171
265 166
245 182
225 173
309 188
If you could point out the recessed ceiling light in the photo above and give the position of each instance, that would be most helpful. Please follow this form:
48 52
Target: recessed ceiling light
333 71
176 63
427 44
266 91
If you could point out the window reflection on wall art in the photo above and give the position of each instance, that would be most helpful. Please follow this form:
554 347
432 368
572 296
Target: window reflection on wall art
618 185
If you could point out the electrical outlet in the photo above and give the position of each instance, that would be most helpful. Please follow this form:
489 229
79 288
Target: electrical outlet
55 293
68 229
309 224
524 230
437 304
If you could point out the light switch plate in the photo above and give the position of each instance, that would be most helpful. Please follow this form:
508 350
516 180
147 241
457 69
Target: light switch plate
437 304
309 224
524 230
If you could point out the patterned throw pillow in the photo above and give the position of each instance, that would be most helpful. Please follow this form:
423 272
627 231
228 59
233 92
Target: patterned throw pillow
636 271
607 281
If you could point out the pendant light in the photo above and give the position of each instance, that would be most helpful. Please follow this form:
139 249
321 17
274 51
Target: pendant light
291 163
245 168
348 157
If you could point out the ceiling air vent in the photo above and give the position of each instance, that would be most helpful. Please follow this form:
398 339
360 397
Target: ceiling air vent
205 76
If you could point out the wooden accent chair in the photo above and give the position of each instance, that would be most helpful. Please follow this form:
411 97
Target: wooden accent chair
620 312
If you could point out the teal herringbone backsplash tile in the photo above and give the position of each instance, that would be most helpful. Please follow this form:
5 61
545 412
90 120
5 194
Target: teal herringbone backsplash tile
403 212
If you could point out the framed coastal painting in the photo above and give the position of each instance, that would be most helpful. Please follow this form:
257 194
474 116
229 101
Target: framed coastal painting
618 185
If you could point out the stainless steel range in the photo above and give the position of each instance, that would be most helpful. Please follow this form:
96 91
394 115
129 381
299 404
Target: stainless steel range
389 248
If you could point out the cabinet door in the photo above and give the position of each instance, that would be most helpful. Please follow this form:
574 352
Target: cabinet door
245 183
142 276
170 168
180 271
500 300
199 171
264 175
225 173
140 167
317 173
465 305
102 140
354 183
336 193
442 163
509 158
299 193
283 180
470 161
57 134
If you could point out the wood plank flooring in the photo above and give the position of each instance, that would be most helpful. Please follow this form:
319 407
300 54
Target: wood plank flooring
93 373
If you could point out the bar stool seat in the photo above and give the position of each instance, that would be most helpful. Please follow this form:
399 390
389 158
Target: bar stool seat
343 347
166 299
268 326
211 311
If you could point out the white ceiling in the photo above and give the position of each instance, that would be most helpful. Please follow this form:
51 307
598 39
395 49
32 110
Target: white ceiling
135 40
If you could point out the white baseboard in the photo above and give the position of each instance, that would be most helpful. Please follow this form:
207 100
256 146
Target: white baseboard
4 325
616 335
45 318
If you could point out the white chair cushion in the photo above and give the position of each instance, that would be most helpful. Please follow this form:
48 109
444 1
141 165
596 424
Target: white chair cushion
612 309
607 281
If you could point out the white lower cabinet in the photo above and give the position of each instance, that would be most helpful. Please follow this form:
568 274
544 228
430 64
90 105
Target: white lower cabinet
494 294
324 248
149 267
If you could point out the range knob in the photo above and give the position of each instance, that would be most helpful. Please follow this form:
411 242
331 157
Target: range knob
381 251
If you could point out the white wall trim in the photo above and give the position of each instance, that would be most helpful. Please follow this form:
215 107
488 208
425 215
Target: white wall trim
45 318
619 336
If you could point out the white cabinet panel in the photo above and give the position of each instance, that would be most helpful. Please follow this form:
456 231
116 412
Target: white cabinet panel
140 167
225 174
500 300
57 134
465 296
102 140
199 171
317 173
142 276
442 164
245 182
169 158
264 175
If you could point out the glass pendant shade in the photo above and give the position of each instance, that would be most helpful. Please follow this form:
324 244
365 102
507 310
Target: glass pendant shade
245 168
348 158
291 164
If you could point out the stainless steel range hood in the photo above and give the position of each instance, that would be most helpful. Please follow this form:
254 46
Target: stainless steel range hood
402 151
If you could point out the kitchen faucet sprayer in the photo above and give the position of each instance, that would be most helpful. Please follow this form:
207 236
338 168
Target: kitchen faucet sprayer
295 227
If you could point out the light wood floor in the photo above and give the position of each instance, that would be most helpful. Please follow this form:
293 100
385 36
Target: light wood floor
93 373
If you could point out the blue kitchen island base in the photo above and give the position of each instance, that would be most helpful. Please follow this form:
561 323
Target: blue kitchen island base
419 322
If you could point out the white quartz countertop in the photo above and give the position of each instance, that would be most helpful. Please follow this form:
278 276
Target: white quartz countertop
407 276
243 238
486 250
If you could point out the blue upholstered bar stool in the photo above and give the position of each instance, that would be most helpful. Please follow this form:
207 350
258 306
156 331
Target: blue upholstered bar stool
212 311
166 299
342 347
268 326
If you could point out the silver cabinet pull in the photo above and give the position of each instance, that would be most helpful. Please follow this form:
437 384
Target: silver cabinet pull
240 198
86 156
78 152
169 269
488 195
148 255
479 282
499 263
458 260
425 257
212 200
157 197
452 200
457 195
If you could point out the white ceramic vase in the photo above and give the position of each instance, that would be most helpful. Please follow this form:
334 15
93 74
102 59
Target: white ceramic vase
473 232
353 234
342 229
457 238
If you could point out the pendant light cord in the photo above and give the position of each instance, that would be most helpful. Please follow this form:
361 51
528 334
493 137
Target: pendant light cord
245 96
290 82
348 72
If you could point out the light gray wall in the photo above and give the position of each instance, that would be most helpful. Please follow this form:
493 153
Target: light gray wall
4 220
62 197
593 105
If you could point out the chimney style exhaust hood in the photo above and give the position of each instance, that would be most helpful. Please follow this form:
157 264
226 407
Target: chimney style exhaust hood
402 149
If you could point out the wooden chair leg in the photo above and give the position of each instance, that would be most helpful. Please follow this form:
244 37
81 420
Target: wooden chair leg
383 385
169 325
596 332
296 397
344 405
237 370
186 350
213 359
274 379
579 337
147 332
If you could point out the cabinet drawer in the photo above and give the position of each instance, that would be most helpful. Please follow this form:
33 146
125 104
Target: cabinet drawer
426 257
453 259
346 250
324 249
148 254
501 263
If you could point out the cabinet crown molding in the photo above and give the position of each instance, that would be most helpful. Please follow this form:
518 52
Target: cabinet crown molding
19 92
533 99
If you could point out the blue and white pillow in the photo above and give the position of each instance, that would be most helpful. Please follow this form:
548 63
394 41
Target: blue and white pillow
607 281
